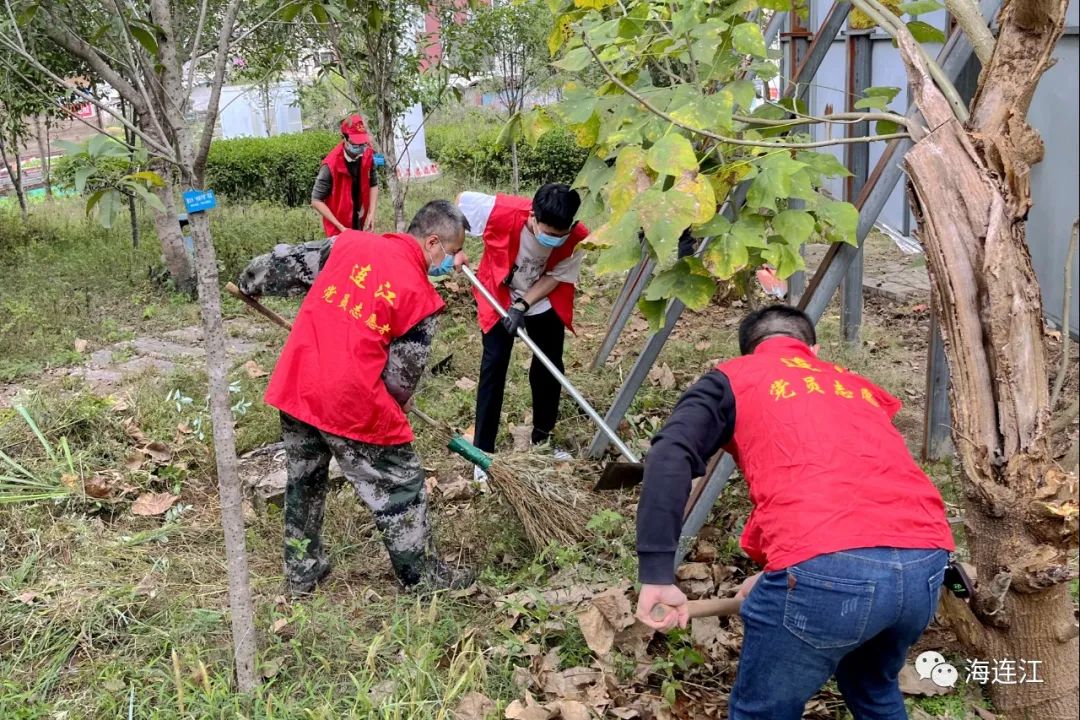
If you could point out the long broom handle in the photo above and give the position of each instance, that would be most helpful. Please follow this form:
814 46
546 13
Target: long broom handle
536 351
702 608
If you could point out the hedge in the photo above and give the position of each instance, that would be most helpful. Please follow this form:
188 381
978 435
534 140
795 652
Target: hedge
470 150
279 169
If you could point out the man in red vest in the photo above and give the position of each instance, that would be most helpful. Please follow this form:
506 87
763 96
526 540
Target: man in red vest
530 263
346 377
346 190
851 533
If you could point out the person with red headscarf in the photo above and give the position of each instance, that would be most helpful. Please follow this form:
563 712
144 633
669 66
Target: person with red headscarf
346 190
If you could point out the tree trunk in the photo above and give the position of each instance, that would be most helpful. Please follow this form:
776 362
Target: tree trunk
15 180
167 225
970 191
43 151
515 176
232 511
389 148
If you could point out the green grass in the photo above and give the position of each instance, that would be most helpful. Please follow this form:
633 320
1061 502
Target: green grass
115 597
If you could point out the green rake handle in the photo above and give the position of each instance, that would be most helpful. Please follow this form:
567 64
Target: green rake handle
458 444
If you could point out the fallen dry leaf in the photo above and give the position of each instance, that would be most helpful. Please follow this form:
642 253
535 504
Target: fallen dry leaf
457 489
159 452
382 692
98 486
133 430
279 625
598 633
81 345
662 376
26 598
134 460
572 710
71 482
114 685
474 706
254 370
150 504
466 384
522 435
430 483
528 710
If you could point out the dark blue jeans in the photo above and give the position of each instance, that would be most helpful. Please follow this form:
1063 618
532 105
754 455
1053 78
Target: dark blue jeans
853 614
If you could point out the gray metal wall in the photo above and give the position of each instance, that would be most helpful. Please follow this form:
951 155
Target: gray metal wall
1054 113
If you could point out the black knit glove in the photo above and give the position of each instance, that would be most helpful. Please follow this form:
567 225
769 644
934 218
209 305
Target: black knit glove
515 317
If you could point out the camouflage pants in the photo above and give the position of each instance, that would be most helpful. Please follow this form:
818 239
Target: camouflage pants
388 479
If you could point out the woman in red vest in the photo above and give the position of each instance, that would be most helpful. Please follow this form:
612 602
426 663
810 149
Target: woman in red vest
850 531
530 263
346 190
346 377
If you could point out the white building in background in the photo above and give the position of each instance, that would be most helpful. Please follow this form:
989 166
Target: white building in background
245 112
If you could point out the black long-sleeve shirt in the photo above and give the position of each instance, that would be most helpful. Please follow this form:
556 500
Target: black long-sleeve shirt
702 422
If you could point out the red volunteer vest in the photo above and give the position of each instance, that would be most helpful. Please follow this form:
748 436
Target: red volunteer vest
502 240
373 289
340 200
826 468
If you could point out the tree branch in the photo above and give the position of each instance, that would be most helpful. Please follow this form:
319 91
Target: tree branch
852 118
722 138
892 25
154 144
189 84
227 25
88 54
971 21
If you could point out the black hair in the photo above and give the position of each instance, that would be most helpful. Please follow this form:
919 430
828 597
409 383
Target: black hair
556 204
775 320
439 217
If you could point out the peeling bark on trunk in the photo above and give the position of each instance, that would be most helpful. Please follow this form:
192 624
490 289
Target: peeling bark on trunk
970 190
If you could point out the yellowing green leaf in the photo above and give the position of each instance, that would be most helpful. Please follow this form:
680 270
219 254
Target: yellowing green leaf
725 256
560 33
631 179
784 259
625 252
672 155
746 38
687 280
611 232
587 132
694 185
536 124
664 216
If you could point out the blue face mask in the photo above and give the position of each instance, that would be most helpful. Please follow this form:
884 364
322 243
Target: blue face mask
551 241
444 268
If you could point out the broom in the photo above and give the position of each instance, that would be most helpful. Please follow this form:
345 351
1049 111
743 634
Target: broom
547 508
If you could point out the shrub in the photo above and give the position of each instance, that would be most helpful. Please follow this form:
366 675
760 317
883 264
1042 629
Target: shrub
279 169
470 149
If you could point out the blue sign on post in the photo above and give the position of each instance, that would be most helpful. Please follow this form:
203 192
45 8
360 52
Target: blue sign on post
199 200
379 159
